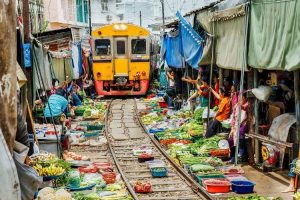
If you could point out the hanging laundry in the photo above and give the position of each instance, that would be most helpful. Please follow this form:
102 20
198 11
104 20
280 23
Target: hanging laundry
41 67
171 49
62 68
192 43
77 60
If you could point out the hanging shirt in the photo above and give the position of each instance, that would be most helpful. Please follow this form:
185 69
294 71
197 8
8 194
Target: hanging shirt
58 104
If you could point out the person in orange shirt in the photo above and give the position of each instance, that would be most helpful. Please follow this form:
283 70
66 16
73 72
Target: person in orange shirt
223 111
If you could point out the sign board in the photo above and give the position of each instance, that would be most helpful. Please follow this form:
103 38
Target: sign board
27 55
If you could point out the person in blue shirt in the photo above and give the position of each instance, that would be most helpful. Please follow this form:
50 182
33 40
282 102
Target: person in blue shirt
56 106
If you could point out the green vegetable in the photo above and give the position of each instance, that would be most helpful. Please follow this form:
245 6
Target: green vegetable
201 167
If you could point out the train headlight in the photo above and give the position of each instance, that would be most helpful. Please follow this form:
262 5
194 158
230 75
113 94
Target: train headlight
98 74
144 73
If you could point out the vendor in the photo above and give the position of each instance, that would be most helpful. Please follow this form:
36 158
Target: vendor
76 98
243 128
223 113
234 96
171 91
57 104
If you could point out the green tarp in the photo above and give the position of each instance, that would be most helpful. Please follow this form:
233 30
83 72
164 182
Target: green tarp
229 37
274 42
203 18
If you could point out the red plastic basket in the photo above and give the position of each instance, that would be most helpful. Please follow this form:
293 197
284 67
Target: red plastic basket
220 152
109 177
163 104
89 169
217 186
143 187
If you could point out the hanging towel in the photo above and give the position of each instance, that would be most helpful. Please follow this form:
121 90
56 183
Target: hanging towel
59 71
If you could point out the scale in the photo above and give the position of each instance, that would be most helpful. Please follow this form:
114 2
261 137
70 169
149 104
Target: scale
223 144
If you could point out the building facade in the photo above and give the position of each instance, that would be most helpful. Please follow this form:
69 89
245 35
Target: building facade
105 12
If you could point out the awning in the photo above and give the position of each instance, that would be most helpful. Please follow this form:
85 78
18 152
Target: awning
21 76
230 35
274 42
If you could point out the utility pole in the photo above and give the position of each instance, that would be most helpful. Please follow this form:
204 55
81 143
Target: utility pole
90 18
163 15
27 32
140 18
26 20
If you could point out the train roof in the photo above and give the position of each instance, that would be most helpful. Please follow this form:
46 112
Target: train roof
120 29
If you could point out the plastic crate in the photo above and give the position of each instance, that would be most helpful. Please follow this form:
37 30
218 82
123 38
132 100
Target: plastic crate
79 112
159 172
242 187
94 127
208 176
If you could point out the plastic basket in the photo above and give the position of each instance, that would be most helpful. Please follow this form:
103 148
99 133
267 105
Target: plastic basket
242 187
163 104
217 186
94 127
79 112
159 172
109 177
208 176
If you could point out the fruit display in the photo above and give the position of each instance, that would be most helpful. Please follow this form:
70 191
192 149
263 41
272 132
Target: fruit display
71 156
51 170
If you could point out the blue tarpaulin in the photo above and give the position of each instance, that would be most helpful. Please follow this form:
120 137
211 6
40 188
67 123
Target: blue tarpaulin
171 50
192 43
185 46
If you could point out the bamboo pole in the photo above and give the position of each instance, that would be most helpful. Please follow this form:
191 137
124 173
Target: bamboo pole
256 116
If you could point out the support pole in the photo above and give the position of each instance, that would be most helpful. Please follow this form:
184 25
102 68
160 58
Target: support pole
297 110
256 116
140 18
211 72
90 18
163 15
244 65
27 71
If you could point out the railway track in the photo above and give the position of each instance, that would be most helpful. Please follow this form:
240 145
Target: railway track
124 133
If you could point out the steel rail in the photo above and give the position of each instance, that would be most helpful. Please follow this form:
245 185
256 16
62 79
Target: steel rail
193 184
127 183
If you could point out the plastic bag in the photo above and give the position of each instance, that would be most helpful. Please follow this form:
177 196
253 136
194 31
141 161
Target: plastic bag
262 93
29 179
211 113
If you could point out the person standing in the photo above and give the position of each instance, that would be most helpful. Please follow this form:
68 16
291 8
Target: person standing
171 91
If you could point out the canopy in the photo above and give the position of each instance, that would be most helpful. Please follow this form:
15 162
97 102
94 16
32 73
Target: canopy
171 50
192 42
230 35
186 46
274 42
203 19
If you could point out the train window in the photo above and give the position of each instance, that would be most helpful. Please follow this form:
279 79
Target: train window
138 46
102 47
120 47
